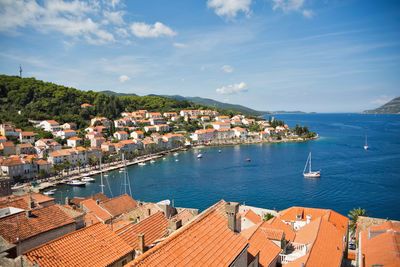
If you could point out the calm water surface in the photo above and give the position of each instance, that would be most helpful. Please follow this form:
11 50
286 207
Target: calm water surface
351 177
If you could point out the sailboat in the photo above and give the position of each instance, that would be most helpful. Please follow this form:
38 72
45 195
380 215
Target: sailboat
366 144
310 174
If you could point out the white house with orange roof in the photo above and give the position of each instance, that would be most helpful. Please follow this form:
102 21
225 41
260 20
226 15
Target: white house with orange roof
27 137
7 129
137 134
50 125
220 125
270 130
169 115
97 141
121 135
162 127
240 132
203 135
156 120
247 121
222 118
65 134
103 120
224 134
74 141
108 146
69 126
93 134
150 128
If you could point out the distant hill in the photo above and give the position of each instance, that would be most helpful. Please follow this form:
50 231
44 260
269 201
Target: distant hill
112 93
391 107
216 104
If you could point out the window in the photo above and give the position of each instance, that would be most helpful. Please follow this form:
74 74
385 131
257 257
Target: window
124 262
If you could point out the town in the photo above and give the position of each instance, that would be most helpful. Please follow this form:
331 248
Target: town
24 156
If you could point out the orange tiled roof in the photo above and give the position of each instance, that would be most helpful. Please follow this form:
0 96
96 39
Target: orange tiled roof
95 245
118 205
15 203
204 242
153 228
27 133
185 216
42 220
98 211
381 247
260 243
278 224
252 216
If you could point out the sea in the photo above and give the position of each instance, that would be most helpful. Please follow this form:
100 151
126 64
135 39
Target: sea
351 177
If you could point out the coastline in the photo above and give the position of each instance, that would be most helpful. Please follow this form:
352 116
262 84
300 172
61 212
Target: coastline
52 182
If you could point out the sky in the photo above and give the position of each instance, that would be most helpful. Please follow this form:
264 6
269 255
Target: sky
308 55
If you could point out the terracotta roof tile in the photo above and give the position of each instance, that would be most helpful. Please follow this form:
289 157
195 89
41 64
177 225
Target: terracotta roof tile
118 205
153 228
95 245
42 220
185 216
252 216
98 211
205 241
276 223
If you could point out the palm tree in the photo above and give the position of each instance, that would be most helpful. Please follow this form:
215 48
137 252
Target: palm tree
354 214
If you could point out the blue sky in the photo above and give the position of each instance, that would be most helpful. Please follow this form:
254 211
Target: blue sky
310 55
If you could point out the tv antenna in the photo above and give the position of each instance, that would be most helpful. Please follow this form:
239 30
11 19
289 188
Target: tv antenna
20 71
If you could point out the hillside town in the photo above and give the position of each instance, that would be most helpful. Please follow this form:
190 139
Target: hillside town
121 231
25 156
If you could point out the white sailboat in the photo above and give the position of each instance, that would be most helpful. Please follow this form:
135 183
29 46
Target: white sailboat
310 174
366 144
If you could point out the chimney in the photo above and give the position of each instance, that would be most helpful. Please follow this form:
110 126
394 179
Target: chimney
149 212
174 224
28 213
292 225
31 203
308 217
67 201
231 209
141 246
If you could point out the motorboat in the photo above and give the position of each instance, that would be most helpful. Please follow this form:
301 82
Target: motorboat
88 179
142 164
76 183
49 193
176 154
366 143
199 156
177 160
219 151
248 160
310 173
152 161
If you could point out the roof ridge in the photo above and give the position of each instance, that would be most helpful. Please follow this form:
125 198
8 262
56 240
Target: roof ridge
180 231
58 238
130 225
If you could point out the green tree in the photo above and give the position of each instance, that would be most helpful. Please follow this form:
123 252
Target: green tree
353 215
268 216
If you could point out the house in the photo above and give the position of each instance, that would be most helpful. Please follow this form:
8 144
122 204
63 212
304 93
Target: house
222 118
74 141
203 135
7 129
50 126
153 115
224 134
108 147
379 245
95 245
92 135
221 125
137 134
7 148
240 132
128 145
27 137
205 118
156 120
44 165
103 121
33 227
209 240
263 134
12 167
86 105
162 128
65 134
121 135
246 121
169 115
150 128
26 149
97 141
173 140
69 126
3 139
72 155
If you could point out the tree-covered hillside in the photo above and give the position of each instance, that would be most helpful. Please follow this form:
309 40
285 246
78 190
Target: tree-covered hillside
391 107
27 98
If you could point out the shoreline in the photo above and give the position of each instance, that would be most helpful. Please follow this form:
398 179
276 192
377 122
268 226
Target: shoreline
52 182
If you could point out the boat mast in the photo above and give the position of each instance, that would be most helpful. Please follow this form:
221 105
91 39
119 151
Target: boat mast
101 178
305 166
310 163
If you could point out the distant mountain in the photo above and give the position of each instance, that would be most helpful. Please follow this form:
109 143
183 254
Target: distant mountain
391 107
217 104
110 93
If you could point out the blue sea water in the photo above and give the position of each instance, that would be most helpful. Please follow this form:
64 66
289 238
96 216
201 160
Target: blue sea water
351 177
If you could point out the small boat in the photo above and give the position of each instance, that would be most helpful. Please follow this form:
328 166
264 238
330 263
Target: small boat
105 175
177 160
219 151
310 174
164 158
142 164
248 160
152 161
121 170
199 156
164 202
49 193
176 154
88 179
76 183
366 144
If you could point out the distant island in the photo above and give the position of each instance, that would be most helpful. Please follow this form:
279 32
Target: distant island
391 107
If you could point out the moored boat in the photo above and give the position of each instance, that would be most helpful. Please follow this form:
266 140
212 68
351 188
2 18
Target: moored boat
310 173
76 183
199 156
142 164
88 179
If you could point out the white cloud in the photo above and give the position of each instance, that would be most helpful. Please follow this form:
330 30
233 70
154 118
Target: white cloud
122 32
229 8
71 18
143 30
115 17
308 13
292 5
227 68
180 45
123 78
232 89
383 99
